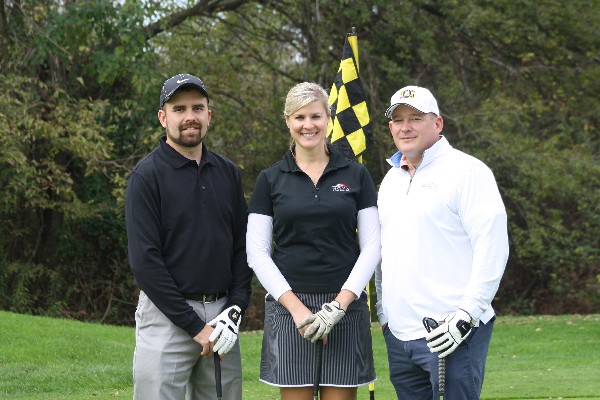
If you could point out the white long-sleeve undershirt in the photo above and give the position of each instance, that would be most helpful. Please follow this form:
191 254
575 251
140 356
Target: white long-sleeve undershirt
259 239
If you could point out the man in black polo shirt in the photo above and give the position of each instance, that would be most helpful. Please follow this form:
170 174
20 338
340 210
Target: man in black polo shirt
186 224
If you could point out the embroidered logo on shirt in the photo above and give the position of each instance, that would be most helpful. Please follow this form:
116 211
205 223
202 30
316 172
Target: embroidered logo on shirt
428 185
341 187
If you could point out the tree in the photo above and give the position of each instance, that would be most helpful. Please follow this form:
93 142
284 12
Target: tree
517 85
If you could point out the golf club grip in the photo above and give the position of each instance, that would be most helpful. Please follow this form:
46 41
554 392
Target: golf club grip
218 376
318 365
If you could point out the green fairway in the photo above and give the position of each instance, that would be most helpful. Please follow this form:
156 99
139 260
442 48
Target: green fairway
530 358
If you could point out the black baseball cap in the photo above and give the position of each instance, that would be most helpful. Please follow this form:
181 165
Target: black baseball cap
178 81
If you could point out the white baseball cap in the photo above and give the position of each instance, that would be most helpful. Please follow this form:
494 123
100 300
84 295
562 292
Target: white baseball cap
416 97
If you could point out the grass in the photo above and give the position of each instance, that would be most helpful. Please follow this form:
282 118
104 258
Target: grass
545 358
53 359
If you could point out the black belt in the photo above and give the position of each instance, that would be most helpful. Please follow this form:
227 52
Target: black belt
205 298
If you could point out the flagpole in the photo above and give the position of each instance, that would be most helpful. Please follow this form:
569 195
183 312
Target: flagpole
349 129
353 40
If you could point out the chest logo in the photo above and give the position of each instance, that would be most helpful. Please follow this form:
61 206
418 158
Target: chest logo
341 187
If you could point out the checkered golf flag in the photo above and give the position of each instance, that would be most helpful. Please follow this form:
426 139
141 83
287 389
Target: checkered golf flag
349 130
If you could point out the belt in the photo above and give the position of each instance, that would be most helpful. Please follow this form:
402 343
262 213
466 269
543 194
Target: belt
205 298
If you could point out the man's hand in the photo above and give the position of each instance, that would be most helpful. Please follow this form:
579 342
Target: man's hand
202 338
446 338
329 315
227 326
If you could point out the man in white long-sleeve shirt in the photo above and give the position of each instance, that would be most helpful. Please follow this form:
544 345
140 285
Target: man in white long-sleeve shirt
444 250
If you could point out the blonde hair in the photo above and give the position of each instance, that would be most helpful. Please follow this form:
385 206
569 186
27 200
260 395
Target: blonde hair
304 93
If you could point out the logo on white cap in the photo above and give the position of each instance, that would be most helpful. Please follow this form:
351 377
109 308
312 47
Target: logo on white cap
406 93
416 97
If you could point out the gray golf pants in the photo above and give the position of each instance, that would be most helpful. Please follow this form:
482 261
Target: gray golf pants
167 364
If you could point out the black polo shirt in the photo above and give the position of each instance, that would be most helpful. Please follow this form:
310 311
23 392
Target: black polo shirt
186 230
314 226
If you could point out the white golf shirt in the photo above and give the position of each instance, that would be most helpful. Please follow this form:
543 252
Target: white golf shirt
444 240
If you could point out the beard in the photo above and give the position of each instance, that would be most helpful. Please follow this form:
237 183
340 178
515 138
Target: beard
186 140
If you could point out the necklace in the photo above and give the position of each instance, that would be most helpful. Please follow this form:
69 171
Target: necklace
315 169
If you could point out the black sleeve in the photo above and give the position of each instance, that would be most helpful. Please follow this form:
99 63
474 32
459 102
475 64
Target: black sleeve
240 288
368 193
261 202
144 247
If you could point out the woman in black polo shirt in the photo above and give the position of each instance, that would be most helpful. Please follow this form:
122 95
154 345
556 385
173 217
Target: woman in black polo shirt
308 206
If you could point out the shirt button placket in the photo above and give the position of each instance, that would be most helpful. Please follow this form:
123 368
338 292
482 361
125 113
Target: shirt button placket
203 193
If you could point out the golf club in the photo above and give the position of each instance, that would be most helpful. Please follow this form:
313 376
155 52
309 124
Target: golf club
218 376
318 365
431 324
368 289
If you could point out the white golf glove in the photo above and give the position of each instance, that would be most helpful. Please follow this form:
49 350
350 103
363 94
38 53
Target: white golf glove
329 315
227 326
446 338
306 321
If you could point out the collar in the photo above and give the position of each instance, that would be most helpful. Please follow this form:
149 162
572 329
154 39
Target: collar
336 160
176 160
431 153
394 160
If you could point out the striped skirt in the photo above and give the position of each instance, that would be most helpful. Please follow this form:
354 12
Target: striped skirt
288 360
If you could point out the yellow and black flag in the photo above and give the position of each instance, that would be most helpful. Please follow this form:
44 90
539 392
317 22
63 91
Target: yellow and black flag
349 130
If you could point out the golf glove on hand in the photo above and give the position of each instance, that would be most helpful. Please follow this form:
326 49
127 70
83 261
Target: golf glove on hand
329 315
227 326
446 338
306 321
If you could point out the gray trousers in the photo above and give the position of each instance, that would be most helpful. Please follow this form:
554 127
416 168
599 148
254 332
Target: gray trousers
167 364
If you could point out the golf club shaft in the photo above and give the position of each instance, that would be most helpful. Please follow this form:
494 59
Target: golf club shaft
431 324
218 376
442 376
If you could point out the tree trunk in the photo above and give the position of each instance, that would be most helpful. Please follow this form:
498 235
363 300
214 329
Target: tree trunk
3 33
